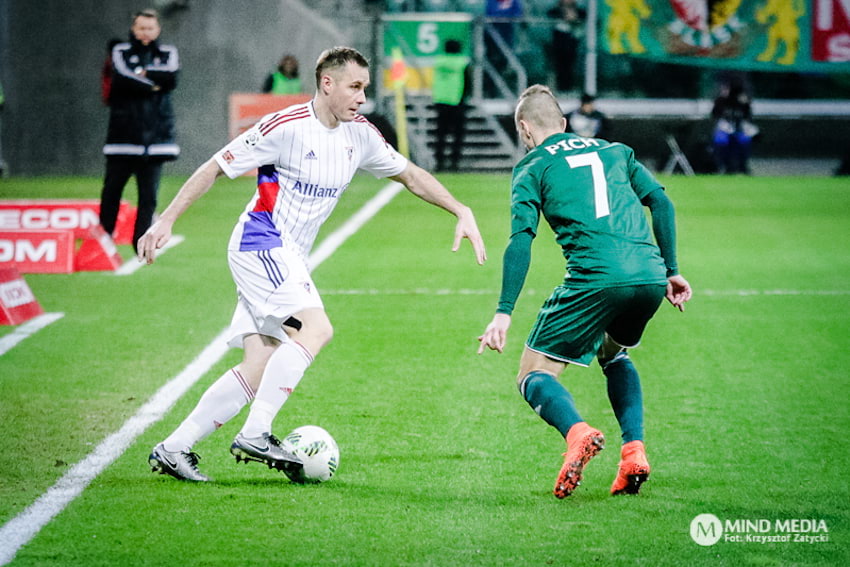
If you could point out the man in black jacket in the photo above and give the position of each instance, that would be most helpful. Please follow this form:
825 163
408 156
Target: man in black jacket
141 120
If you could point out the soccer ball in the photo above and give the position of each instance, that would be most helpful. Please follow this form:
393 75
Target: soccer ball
316 449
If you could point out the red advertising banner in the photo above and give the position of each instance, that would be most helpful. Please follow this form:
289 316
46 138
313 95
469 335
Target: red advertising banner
831 31
78 215
17 302
37 251
97 252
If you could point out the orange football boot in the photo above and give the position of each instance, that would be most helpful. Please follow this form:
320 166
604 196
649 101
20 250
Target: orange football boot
583 443
634 469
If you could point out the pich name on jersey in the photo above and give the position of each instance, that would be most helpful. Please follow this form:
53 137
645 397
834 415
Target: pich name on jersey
570 144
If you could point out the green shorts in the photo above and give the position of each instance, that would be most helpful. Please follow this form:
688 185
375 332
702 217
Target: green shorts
573 322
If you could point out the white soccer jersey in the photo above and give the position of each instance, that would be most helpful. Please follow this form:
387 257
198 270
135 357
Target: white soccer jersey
304 168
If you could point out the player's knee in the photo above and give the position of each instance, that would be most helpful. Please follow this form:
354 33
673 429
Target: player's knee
608 348
326 332
610 358
520 378
316 330
609 351
524 375
316 334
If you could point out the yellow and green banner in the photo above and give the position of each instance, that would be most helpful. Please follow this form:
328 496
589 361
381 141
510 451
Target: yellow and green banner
763 35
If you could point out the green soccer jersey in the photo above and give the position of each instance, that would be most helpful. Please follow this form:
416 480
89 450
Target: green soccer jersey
590 192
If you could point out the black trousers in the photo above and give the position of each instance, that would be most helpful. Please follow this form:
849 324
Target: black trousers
450 121
119 169
565 49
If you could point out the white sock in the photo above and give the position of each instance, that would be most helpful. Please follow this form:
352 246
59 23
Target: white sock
220 403
284 370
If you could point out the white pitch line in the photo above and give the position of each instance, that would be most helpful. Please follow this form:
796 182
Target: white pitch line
18 531
531 291
774 292
28 329
23 527
353 224
133 264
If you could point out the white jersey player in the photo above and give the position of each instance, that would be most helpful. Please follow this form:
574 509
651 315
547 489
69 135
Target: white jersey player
306 156
311 167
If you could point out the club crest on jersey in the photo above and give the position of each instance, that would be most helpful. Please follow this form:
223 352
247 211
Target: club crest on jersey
310 155
350 151
307 287
228 156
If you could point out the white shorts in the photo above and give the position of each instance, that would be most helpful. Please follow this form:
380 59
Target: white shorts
271 286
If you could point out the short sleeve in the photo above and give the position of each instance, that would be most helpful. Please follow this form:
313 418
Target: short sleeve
379 157
249 150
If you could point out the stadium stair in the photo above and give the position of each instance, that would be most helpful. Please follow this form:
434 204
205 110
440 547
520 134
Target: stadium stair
486 147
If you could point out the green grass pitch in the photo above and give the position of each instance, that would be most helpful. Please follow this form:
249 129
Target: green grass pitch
442 462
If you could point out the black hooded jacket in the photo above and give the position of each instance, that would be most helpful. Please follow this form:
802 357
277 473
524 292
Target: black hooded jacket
141 119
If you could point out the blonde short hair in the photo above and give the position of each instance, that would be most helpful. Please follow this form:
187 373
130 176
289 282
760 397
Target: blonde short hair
538 106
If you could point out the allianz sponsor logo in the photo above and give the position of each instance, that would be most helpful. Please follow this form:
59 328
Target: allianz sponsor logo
708 529
314 190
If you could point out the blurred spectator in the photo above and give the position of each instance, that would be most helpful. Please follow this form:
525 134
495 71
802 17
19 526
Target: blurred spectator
504 9
449 93
733 128
106 71
566 35
285 79
141 120
501 12
587 121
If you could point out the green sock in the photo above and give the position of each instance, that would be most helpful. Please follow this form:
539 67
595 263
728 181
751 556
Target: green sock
625 395
550 400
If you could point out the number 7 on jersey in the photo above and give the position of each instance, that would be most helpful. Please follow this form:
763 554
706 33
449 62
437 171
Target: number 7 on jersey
600 184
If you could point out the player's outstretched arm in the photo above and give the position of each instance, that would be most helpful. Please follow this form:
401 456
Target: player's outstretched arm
160 232
678 291
426 187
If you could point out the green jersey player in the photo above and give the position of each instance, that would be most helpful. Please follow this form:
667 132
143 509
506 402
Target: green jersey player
592 194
